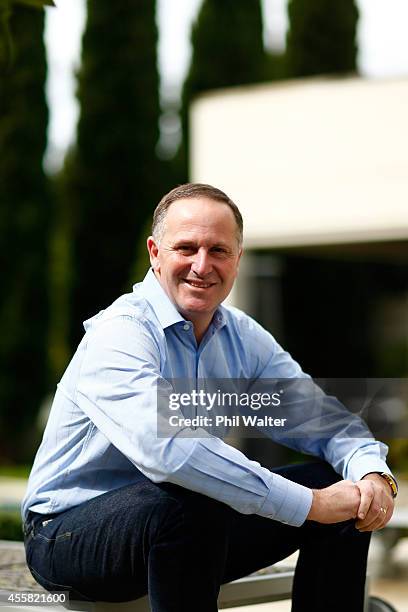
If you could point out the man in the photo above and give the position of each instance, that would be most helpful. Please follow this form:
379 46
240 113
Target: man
114 511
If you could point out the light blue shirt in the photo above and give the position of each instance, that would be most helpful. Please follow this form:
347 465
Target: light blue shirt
102 427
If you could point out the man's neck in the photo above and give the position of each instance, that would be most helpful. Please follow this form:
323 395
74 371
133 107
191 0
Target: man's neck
199 333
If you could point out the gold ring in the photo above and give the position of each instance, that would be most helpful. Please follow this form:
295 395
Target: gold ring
384 510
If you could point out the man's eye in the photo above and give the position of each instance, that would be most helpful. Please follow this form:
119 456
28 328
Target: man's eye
219 250
185 248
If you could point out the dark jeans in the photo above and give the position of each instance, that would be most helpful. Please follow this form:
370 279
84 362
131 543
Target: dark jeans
180 546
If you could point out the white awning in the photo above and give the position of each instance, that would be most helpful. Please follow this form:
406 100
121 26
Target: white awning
313 161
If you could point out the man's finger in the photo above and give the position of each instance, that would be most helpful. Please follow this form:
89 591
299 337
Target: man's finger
376 519
367 494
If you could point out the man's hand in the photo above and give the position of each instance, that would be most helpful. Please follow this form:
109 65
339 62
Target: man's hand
369 501
376 504
339 502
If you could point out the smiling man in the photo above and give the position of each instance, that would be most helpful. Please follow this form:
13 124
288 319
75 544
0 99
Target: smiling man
113 511
195 251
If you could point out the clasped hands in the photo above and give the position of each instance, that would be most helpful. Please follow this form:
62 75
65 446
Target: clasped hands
369 501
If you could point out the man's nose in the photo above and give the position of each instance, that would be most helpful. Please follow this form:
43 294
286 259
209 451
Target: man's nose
202 262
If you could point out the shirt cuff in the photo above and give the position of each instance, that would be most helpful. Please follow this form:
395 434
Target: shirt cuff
366 460
368 467
287 502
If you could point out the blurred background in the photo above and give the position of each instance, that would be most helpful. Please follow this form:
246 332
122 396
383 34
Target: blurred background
296 108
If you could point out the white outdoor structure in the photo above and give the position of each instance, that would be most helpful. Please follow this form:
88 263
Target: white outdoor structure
309 162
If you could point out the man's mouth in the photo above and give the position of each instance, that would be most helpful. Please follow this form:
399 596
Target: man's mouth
198 285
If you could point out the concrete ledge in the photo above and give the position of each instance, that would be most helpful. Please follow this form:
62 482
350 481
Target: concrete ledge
270 584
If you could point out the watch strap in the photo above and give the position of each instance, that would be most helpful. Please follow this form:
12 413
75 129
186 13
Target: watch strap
392 482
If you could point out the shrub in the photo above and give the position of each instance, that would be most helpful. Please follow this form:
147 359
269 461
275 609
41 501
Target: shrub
10 525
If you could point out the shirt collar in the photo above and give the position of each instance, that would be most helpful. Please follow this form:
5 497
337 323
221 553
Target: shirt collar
164 308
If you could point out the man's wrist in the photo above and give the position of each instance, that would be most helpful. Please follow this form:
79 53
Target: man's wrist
315 500
390 480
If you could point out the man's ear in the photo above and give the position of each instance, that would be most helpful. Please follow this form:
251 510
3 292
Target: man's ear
241 250
153 253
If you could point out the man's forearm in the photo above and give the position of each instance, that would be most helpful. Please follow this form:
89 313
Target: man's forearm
220 471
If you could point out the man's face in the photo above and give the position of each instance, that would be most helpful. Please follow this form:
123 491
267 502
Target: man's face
197 259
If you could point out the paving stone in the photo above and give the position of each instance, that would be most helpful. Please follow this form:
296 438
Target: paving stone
14 573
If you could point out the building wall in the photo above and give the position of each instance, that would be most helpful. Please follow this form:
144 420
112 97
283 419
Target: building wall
308 161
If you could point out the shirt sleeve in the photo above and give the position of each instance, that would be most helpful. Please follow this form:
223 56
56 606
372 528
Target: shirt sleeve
117 390
319 424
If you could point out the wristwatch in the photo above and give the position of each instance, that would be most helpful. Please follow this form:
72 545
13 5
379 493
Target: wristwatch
392 482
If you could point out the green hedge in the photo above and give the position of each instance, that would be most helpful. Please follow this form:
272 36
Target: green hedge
10 525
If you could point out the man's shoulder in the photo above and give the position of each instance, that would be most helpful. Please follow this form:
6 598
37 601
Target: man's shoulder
245 332
241 320
131 307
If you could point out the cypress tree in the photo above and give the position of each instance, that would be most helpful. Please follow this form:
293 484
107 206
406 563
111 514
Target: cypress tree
6 39
24 214
321 37
227 46
227 50
322 40
112 177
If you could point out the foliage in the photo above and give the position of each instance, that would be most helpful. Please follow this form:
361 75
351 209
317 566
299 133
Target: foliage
6 41
275 67
321 37
398 455
227 50
10 525
59 276
227 46
24 214
15 471
34 3
113 176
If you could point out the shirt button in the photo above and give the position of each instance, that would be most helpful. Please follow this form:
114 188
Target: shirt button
186 327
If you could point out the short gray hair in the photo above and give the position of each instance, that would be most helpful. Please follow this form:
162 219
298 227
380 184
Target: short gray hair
192 190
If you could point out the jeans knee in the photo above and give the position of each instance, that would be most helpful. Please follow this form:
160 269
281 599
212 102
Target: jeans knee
200 515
